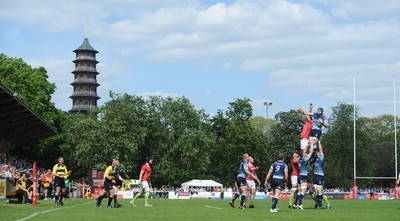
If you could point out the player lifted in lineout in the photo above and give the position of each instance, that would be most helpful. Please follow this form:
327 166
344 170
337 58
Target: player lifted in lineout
305 133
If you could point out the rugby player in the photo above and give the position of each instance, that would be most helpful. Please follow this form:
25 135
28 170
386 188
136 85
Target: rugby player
145 184
303 176
250 181
59 173
109 183
118 183
305 133
278 181
319 121
294 178
318 178
241 182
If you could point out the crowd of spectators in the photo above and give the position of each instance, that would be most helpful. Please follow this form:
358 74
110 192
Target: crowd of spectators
11 167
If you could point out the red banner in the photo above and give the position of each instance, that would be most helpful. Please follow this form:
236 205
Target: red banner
282 196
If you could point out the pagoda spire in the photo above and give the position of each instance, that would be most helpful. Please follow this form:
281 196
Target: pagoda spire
84 96
86 28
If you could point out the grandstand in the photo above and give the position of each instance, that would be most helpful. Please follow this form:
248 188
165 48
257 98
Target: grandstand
19 125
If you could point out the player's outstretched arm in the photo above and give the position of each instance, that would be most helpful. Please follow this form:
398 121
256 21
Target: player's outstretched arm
320 146
311 149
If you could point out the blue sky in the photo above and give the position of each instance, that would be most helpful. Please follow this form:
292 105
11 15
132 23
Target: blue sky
288 52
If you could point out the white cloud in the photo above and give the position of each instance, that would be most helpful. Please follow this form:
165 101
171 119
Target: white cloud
305 48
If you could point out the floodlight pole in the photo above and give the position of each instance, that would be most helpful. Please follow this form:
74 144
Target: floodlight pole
267 105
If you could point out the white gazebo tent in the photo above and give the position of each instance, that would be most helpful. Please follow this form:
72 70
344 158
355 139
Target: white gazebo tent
200 183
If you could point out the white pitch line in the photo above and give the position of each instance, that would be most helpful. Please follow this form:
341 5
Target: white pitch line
50 210
212 207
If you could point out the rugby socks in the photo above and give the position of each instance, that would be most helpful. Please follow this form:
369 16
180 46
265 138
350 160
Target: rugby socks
235 197
101 197
301 199
275 200
314 197
296 201
146 198
320 200
110 200
325 198
56 197
242 199
137 196
291 198
115 200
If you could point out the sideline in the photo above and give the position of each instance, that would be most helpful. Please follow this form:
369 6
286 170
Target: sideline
51 210
212 207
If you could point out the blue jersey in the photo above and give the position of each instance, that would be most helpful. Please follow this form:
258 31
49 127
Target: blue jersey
242 169
279 168
116 174
319 165
304 165
316 117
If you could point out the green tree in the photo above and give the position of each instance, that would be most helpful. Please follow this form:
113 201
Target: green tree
339 145
286 133
234 136
30 84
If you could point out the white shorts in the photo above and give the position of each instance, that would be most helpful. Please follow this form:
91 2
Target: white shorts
251 184
294 180
145 186
304 144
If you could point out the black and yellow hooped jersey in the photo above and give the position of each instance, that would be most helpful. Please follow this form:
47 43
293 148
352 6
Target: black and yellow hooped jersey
109 173
60 169
20 182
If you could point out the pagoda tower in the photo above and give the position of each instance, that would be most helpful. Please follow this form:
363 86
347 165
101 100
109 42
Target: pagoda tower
85 84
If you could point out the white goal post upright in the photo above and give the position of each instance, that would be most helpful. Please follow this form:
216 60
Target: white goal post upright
355 188
395 134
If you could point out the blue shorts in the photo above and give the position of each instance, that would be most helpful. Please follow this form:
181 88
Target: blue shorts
277 184
318 180
316 133
303 179
240 181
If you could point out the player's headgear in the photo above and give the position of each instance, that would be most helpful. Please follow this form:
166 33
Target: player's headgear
322 109
148 159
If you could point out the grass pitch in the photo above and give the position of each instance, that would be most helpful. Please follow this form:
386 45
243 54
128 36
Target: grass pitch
82 209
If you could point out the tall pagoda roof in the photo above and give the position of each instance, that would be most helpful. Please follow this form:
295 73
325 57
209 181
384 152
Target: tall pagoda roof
86 46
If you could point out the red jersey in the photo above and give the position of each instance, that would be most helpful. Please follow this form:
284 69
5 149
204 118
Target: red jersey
146 172
252 170
305 133
295 168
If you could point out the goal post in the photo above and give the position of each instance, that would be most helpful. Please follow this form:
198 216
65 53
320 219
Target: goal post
355 188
